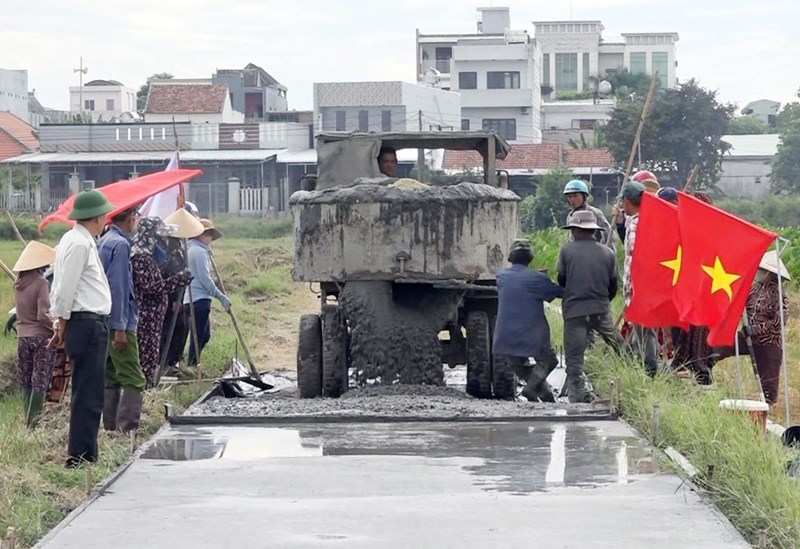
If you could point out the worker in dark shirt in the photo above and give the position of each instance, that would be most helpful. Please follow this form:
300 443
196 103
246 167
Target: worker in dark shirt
522 330
587 270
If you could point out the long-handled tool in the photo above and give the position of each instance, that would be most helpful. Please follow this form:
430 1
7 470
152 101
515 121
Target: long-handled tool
173 321
256 377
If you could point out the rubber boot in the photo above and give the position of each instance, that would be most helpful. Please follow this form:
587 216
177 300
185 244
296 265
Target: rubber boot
26 401
537 388
34 409
579 390
110 409
130 410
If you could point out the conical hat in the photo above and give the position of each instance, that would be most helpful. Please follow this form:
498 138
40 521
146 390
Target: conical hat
772 263
187 225
35 256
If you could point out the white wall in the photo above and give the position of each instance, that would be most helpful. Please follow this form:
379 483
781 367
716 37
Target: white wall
526 133
745 177
14 93
124 99
563 115
648 50
439 107
579 43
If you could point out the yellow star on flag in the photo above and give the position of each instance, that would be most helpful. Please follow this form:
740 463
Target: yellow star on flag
675 265
720 280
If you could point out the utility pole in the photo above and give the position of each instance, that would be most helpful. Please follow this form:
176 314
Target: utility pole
82 70
420 156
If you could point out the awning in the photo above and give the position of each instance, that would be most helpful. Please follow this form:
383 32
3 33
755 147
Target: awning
194 156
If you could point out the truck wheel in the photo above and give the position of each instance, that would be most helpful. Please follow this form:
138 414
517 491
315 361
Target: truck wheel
334 351
479 360
309 357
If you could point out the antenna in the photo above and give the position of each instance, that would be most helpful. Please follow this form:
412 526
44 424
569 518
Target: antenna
82 70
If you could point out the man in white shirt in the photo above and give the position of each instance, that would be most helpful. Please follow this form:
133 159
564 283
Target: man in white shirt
80 300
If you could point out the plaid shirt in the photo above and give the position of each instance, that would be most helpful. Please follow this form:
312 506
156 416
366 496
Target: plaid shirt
763 314
631 222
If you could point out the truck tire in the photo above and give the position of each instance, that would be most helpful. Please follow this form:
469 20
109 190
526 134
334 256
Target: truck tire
334 352
309 357
479 358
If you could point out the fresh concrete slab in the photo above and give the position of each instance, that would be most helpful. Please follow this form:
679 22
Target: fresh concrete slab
393 485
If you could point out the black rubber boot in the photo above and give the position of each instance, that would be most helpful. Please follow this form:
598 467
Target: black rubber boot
34 408
130 410
110 409
537 388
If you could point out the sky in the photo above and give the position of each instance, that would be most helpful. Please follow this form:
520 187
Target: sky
745 49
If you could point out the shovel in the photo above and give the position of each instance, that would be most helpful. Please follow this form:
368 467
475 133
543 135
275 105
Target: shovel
255 376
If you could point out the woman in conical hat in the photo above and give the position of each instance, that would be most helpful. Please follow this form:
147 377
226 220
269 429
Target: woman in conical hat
152 291
34 326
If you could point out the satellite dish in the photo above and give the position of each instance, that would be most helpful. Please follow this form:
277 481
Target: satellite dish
604 87
432 77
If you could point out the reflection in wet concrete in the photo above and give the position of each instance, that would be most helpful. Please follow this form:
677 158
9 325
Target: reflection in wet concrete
513 457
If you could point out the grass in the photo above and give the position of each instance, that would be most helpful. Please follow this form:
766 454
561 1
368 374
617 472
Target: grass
748 483
36 491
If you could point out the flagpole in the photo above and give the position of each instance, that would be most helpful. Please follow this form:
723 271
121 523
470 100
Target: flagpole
786 391
739 390
749 340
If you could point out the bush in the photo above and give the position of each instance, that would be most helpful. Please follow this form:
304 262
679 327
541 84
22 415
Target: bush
248 227
28 228
773 211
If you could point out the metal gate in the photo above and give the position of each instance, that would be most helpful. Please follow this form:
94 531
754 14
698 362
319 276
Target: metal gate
210 198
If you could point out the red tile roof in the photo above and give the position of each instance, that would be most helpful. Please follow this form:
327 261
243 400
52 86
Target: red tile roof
532 156
585 158
521 156
16 136
185 98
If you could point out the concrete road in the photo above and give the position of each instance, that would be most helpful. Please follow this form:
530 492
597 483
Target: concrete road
442 485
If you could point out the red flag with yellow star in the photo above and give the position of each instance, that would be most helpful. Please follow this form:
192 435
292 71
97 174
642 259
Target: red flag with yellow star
721 254
655 265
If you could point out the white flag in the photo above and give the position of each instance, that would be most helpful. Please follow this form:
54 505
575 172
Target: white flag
165 202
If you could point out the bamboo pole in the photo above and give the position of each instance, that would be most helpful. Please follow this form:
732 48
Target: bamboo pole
692 178
15 228
637 137
8 271
192 317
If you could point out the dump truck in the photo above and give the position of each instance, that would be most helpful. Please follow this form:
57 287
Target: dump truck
405 271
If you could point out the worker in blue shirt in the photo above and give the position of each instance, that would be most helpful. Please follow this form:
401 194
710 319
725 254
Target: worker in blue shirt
125 381
203 288
522 330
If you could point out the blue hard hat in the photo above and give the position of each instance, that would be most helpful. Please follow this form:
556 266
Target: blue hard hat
668 193
576 186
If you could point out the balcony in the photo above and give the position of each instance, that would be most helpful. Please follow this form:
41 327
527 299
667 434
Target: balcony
441 65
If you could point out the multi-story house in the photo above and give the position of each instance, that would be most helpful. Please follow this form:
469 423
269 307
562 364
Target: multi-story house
497 71
103 100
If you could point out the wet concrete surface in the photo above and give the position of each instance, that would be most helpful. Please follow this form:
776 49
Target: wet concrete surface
492 484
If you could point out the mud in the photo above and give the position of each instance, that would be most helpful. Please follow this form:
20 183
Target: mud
386 401
372 192
393 331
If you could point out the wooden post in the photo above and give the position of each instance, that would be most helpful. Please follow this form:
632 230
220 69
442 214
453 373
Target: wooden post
11 537
656 422
88 481
637 137
692 178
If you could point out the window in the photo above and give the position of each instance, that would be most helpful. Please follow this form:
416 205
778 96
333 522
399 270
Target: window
88 104
386 121
465 124
566 71
506 127
502 80
659 61
443 57
545 69
341 121
109 104
468 80
638 62
585 71
363 121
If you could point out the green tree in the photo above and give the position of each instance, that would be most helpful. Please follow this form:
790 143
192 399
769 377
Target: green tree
684 128
747 125
598 140
547 207
786 164
624 83
141 95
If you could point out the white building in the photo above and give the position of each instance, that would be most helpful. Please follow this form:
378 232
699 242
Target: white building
14 93
747 166
384 106
190 100
763 109
497 71
565 120
574 54
105 100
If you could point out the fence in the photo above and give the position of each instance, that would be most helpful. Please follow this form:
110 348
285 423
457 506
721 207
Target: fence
210 198
251 201
28 199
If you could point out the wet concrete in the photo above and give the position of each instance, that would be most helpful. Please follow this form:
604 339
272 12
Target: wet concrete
552 484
